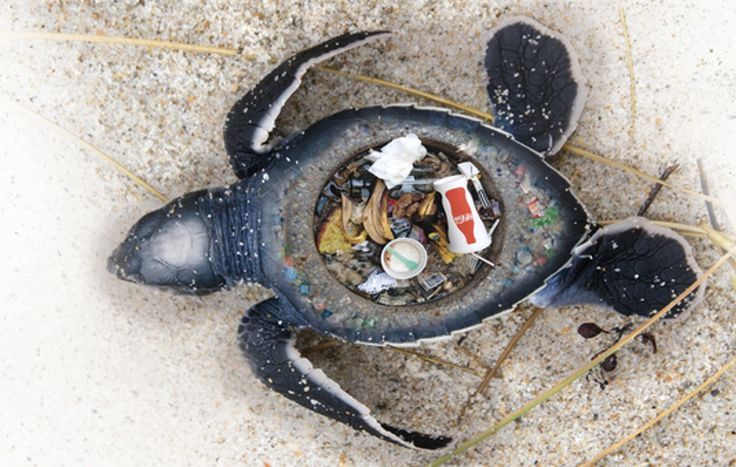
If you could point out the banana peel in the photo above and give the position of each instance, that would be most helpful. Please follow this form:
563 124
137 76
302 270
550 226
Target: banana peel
347 217
372 215
442 243
428 206
383 218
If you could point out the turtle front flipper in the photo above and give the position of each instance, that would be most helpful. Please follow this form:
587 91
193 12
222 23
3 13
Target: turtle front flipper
251 120
269 347
635 267
534 83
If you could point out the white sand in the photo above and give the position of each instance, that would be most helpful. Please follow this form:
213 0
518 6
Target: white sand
98 371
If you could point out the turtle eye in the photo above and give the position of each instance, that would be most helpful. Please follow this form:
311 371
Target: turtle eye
170 248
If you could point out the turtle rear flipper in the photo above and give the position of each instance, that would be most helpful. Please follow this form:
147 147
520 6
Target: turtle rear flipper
534 83
251 120
269 347
634 267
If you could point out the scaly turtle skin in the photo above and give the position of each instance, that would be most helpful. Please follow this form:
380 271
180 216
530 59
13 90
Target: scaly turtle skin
259 228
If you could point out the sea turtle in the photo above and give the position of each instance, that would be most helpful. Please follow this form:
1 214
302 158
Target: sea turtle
259 229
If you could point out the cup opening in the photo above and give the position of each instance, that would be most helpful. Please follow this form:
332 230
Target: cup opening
403 258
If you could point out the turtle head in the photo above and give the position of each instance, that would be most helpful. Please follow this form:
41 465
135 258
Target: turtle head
170 248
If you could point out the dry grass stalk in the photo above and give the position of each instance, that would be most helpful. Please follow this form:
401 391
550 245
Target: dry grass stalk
721 238
632 79
473 356
656 189
430 359
680 402
571 148
712 216
447 102
427 358
320 346
53 36
90 147
492 372
717 237
544 396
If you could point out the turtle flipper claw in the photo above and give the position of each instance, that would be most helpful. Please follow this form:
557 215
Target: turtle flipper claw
534 84
251 120
634 267
268 345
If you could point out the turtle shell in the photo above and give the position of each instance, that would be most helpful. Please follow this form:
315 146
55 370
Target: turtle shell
542 222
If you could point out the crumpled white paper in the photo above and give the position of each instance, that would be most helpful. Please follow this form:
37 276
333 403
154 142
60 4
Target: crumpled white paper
393 163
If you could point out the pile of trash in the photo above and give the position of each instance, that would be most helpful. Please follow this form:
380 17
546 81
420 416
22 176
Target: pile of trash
381 196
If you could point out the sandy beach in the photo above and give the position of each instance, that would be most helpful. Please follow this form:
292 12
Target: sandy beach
97 371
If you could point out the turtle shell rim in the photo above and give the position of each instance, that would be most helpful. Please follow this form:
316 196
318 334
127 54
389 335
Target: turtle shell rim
309 149
498 235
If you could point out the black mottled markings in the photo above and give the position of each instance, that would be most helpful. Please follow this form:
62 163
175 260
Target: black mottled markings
532 84
636 271
250 121
267 343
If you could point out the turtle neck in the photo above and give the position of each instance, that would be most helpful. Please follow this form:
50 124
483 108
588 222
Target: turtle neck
233 214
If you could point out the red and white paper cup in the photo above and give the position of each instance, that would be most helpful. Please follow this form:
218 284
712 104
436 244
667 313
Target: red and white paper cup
465 230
